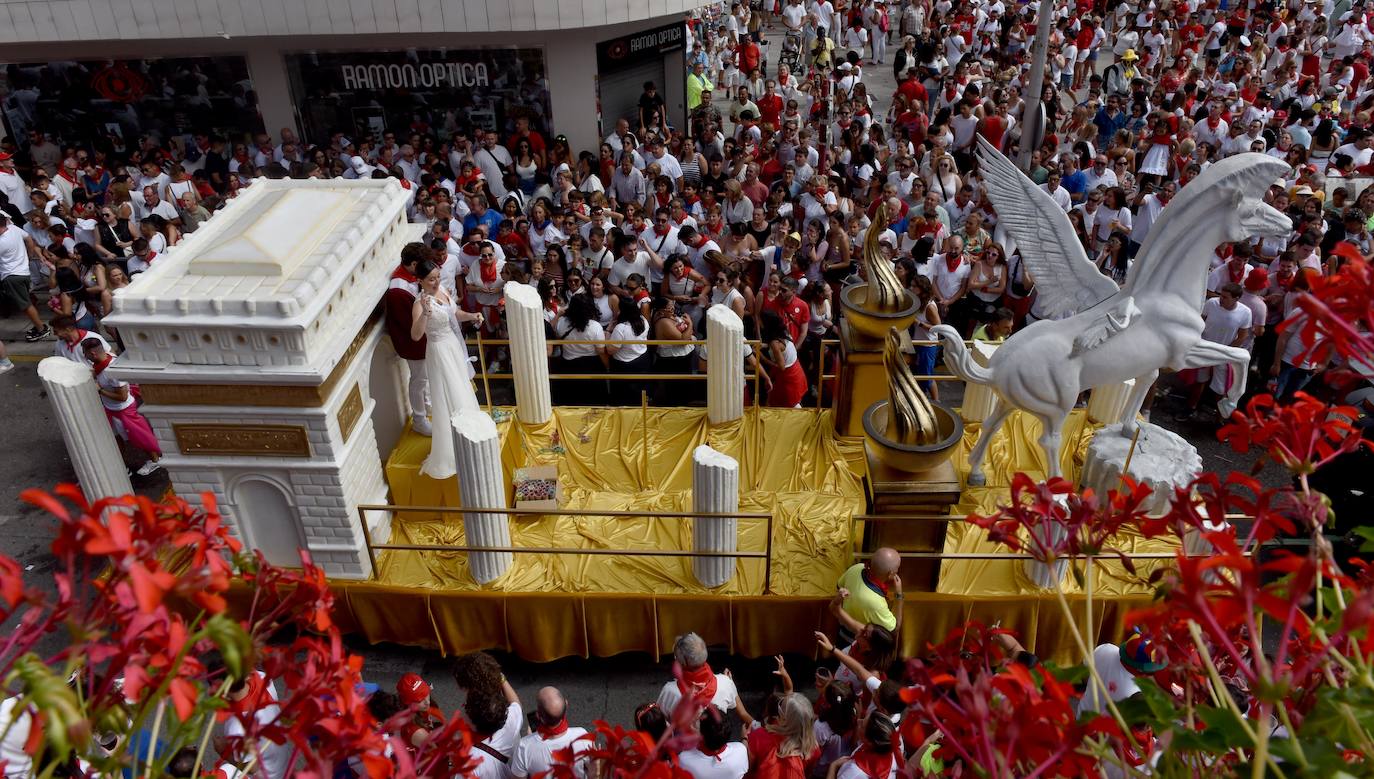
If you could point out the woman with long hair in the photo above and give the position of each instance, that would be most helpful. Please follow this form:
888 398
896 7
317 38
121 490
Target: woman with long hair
1114 258
927 316
786 378
877 756
669 325
604 303
579 323
786 745
629 358
683 285
525 164
837 722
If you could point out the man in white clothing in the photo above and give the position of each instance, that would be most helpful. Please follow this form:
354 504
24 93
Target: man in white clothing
497 721
1056 192
12 186
534 754
494 160
697 678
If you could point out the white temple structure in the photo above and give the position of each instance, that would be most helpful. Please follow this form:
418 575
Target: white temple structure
265 368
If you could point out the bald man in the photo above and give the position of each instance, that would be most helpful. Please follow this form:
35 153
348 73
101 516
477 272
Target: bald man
534 755
871 593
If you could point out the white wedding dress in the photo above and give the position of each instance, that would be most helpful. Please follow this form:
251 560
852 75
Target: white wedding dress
450 385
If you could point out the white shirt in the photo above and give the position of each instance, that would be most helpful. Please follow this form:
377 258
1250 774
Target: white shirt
622 268
505 741
534 754
624 332
724 699
732 763
163 209
16 190
594 332
14 252
274 756
1221 276
1221 326
75 353
16 732
947 284
487 160
1059 195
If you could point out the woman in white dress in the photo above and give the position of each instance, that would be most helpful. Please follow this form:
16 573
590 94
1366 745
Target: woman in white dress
439 319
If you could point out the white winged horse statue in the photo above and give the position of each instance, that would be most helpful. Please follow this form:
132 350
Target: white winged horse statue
1111 334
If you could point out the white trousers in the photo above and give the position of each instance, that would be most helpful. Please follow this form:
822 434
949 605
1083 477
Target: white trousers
418 389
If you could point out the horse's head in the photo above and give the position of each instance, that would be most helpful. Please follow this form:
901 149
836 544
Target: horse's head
1250 217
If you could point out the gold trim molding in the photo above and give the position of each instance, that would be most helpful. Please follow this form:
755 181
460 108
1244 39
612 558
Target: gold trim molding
250 440
351 411
289 396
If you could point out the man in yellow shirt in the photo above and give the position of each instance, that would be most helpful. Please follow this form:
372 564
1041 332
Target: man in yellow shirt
696 82
872 592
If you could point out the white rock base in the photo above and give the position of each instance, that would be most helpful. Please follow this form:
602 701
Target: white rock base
1162 460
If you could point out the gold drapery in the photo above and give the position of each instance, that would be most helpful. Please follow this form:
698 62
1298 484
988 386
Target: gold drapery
792 466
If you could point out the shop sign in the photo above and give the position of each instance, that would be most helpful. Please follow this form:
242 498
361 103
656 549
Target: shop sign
426 75
638 47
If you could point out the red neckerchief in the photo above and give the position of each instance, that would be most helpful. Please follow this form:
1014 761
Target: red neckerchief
874 765
874 584
716 753
80 336
1236 277
151 256
1214 123
549 732
241 156
681 272
699 684
99 367
405 275
661 231
1283 283
953 265
70 177
488 271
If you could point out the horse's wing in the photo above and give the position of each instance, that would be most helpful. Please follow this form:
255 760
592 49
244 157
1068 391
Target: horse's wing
1066 281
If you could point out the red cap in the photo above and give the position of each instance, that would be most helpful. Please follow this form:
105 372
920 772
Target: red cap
1257 280
412 689
5 156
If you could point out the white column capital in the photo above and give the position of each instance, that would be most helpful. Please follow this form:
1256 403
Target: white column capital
528 355
724 365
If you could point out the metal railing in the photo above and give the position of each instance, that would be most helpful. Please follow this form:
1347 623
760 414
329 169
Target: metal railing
926 554
487 376
766 555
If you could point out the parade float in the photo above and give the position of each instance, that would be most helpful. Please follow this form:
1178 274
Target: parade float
269 381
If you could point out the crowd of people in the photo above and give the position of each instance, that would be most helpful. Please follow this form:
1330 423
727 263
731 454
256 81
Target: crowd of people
760 200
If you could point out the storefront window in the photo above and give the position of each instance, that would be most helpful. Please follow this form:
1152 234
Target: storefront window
418 90
114 102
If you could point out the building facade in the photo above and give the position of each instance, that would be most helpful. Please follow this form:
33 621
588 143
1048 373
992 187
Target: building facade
122 68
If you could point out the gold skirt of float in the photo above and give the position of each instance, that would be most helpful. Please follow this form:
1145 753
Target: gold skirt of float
792 466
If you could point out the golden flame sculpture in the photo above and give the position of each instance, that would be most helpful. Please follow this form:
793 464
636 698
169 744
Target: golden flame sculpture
911 418
885 292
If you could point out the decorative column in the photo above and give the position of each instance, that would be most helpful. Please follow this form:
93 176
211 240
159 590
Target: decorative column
90 441
978 398
725 365
482 485
715 490
529 359
1107 403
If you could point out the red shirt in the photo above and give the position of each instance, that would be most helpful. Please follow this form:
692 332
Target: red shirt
748 57
536 141
770 109
964 26
913 89
795 314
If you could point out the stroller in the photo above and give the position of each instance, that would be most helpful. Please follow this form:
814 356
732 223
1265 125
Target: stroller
791 51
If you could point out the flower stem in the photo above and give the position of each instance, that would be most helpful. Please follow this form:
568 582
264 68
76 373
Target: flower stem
1092 667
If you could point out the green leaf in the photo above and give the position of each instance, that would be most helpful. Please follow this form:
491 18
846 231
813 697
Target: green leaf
1367 533
1223 723
1072 674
